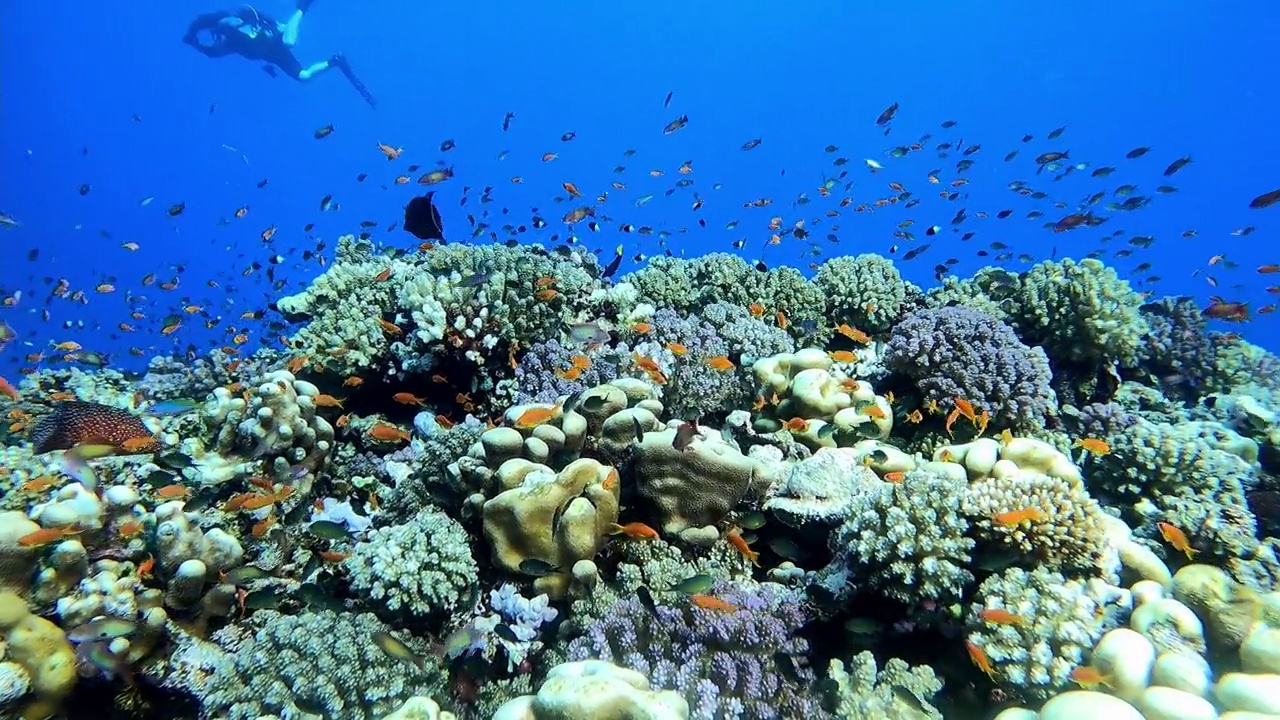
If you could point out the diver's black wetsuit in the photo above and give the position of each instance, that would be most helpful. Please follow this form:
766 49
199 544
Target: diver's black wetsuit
246 33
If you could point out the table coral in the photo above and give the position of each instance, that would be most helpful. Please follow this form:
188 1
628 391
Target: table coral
726 663
959 352
420 569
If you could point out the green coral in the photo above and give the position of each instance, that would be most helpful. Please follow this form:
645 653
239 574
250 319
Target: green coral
1183 474
865 291
896 691
1240 364
420 569
1080 312
990 290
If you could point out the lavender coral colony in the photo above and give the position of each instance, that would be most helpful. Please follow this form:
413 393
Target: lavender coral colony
501 480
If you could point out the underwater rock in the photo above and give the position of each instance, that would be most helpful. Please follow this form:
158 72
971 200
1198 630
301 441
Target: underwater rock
598 690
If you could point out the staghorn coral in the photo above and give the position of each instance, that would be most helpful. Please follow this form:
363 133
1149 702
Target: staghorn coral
955 352
865 291
724 662
320 659
897 690
420 474
1080 312
906 540
1071 537
1060 620
420 569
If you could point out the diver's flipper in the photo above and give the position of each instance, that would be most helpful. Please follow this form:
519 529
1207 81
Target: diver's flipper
341 63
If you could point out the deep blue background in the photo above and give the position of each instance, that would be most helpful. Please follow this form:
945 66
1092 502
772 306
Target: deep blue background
1183 78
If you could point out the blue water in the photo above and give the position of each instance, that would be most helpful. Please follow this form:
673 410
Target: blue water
1184 79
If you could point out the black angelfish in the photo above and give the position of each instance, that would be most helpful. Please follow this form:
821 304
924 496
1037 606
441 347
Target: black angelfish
422 218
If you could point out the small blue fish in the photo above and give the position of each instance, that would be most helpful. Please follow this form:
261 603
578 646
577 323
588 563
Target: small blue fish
179 406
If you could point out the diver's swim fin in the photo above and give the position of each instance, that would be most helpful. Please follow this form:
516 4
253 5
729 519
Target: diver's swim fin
345 67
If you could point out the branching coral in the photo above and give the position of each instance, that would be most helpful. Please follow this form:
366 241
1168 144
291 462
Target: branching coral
724 661
420 569
275 664
897 691
1081 313
1177 348
907 540
1058 621
1068 534
958 352
865 291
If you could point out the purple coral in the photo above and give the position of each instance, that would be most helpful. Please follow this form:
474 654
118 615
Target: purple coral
1104 420
1178 345
726 664
694 389
957 351
537 377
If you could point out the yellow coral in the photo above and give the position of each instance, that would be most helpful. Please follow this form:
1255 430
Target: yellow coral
42 649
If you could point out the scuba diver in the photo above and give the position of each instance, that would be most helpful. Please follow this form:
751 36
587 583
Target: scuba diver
255 36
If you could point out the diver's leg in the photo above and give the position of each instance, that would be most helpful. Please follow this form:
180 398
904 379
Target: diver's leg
315 69
289 30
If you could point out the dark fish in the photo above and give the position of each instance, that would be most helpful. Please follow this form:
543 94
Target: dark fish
568 136
267 599
245 574
751 144
329 530
646 599
506 633
1136 153
1177 165
177 209
1055 134
1049 157
422 218
675 125
447 145
684 435
1265 200
537 568
887 115
324 132
396 649
614 264
754 520
635 427
506 121
667 101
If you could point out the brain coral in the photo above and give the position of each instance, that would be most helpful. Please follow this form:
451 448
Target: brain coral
960 352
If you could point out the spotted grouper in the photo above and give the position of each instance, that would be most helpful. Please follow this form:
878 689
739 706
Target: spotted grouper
75 422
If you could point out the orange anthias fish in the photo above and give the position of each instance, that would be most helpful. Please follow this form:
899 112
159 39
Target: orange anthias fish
536 416
853 333
1173 535
998 616
387 433
720 362
45 536
966 410
1087 677
735 539
1094 445
980 659
405 398
635 531
710 602
9 390
1017 517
